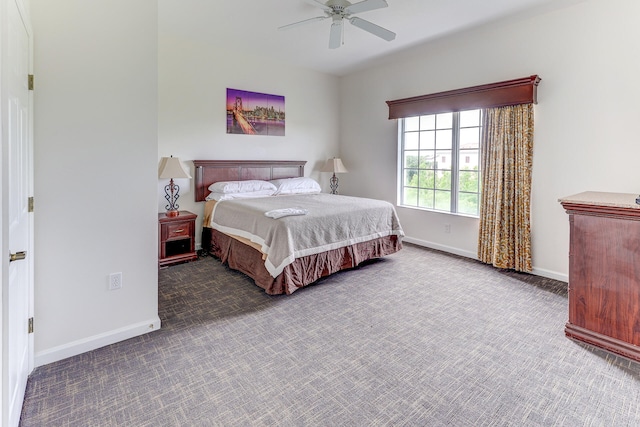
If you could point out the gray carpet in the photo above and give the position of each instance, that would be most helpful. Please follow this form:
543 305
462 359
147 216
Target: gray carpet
419 338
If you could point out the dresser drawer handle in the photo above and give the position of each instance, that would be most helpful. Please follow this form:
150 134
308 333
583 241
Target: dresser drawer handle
178 231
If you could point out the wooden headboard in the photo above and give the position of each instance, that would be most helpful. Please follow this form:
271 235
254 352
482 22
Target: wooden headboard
210 171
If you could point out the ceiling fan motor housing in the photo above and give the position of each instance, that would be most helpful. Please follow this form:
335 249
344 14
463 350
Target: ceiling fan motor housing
338 4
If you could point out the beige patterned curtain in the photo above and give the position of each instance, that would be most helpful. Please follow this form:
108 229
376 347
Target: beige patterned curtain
505 231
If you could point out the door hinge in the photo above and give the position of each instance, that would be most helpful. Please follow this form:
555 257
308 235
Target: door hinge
31 204
31 325
30 80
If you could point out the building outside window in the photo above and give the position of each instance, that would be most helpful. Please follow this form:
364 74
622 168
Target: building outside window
440 162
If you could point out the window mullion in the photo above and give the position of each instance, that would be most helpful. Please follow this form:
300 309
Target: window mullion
455 155
400 182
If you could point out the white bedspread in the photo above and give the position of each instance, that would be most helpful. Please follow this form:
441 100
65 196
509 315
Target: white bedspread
332 221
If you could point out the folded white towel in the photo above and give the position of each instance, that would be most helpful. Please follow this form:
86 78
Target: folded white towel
279 213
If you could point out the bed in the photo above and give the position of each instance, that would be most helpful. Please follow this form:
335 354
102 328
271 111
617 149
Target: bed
330 233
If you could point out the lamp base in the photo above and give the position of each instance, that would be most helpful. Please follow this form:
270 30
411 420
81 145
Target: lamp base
334 184
173 213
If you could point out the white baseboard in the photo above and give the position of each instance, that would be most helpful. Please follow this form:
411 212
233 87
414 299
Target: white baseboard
456 251
550 274
91 343
443 248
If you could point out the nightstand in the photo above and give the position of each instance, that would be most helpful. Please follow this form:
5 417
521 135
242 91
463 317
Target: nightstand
176 236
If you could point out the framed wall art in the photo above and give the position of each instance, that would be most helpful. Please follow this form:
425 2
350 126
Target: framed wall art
253 113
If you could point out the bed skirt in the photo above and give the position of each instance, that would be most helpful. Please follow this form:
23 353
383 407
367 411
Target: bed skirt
303 271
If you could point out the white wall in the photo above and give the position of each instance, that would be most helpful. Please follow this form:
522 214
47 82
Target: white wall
193 80
95 173
585 133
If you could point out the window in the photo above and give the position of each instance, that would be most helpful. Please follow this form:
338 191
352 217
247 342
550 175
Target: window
440 155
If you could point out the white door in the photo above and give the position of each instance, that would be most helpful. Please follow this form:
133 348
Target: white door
16 293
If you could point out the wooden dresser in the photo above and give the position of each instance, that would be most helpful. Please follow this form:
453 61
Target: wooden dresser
604 271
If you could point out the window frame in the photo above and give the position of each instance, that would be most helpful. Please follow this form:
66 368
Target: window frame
454 167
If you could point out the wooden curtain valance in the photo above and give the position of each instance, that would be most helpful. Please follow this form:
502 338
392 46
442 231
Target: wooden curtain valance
510 92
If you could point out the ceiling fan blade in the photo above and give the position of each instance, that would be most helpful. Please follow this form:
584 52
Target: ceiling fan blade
365 6
319 4
374 29
335 36
306 21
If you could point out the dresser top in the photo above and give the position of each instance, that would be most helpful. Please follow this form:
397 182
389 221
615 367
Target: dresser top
597 198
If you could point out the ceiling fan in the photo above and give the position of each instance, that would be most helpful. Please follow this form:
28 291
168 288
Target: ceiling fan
338 11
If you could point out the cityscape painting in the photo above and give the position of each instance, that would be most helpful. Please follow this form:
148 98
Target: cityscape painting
253 113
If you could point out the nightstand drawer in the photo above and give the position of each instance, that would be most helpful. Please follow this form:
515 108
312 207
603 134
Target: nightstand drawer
178 230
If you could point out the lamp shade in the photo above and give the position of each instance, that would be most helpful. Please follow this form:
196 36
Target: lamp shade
170 167
334 165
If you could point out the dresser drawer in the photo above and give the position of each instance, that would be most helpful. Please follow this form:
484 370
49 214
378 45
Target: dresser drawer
178 230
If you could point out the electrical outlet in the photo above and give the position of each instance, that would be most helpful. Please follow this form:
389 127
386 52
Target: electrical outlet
447 228
115 281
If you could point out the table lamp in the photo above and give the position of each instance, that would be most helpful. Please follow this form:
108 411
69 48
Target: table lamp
170 167
334 165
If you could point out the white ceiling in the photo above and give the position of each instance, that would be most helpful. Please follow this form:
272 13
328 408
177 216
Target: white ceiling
249 27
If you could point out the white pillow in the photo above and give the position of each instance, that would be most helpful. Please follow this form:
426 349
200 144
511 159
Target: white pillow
300 185
227 187
247 195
